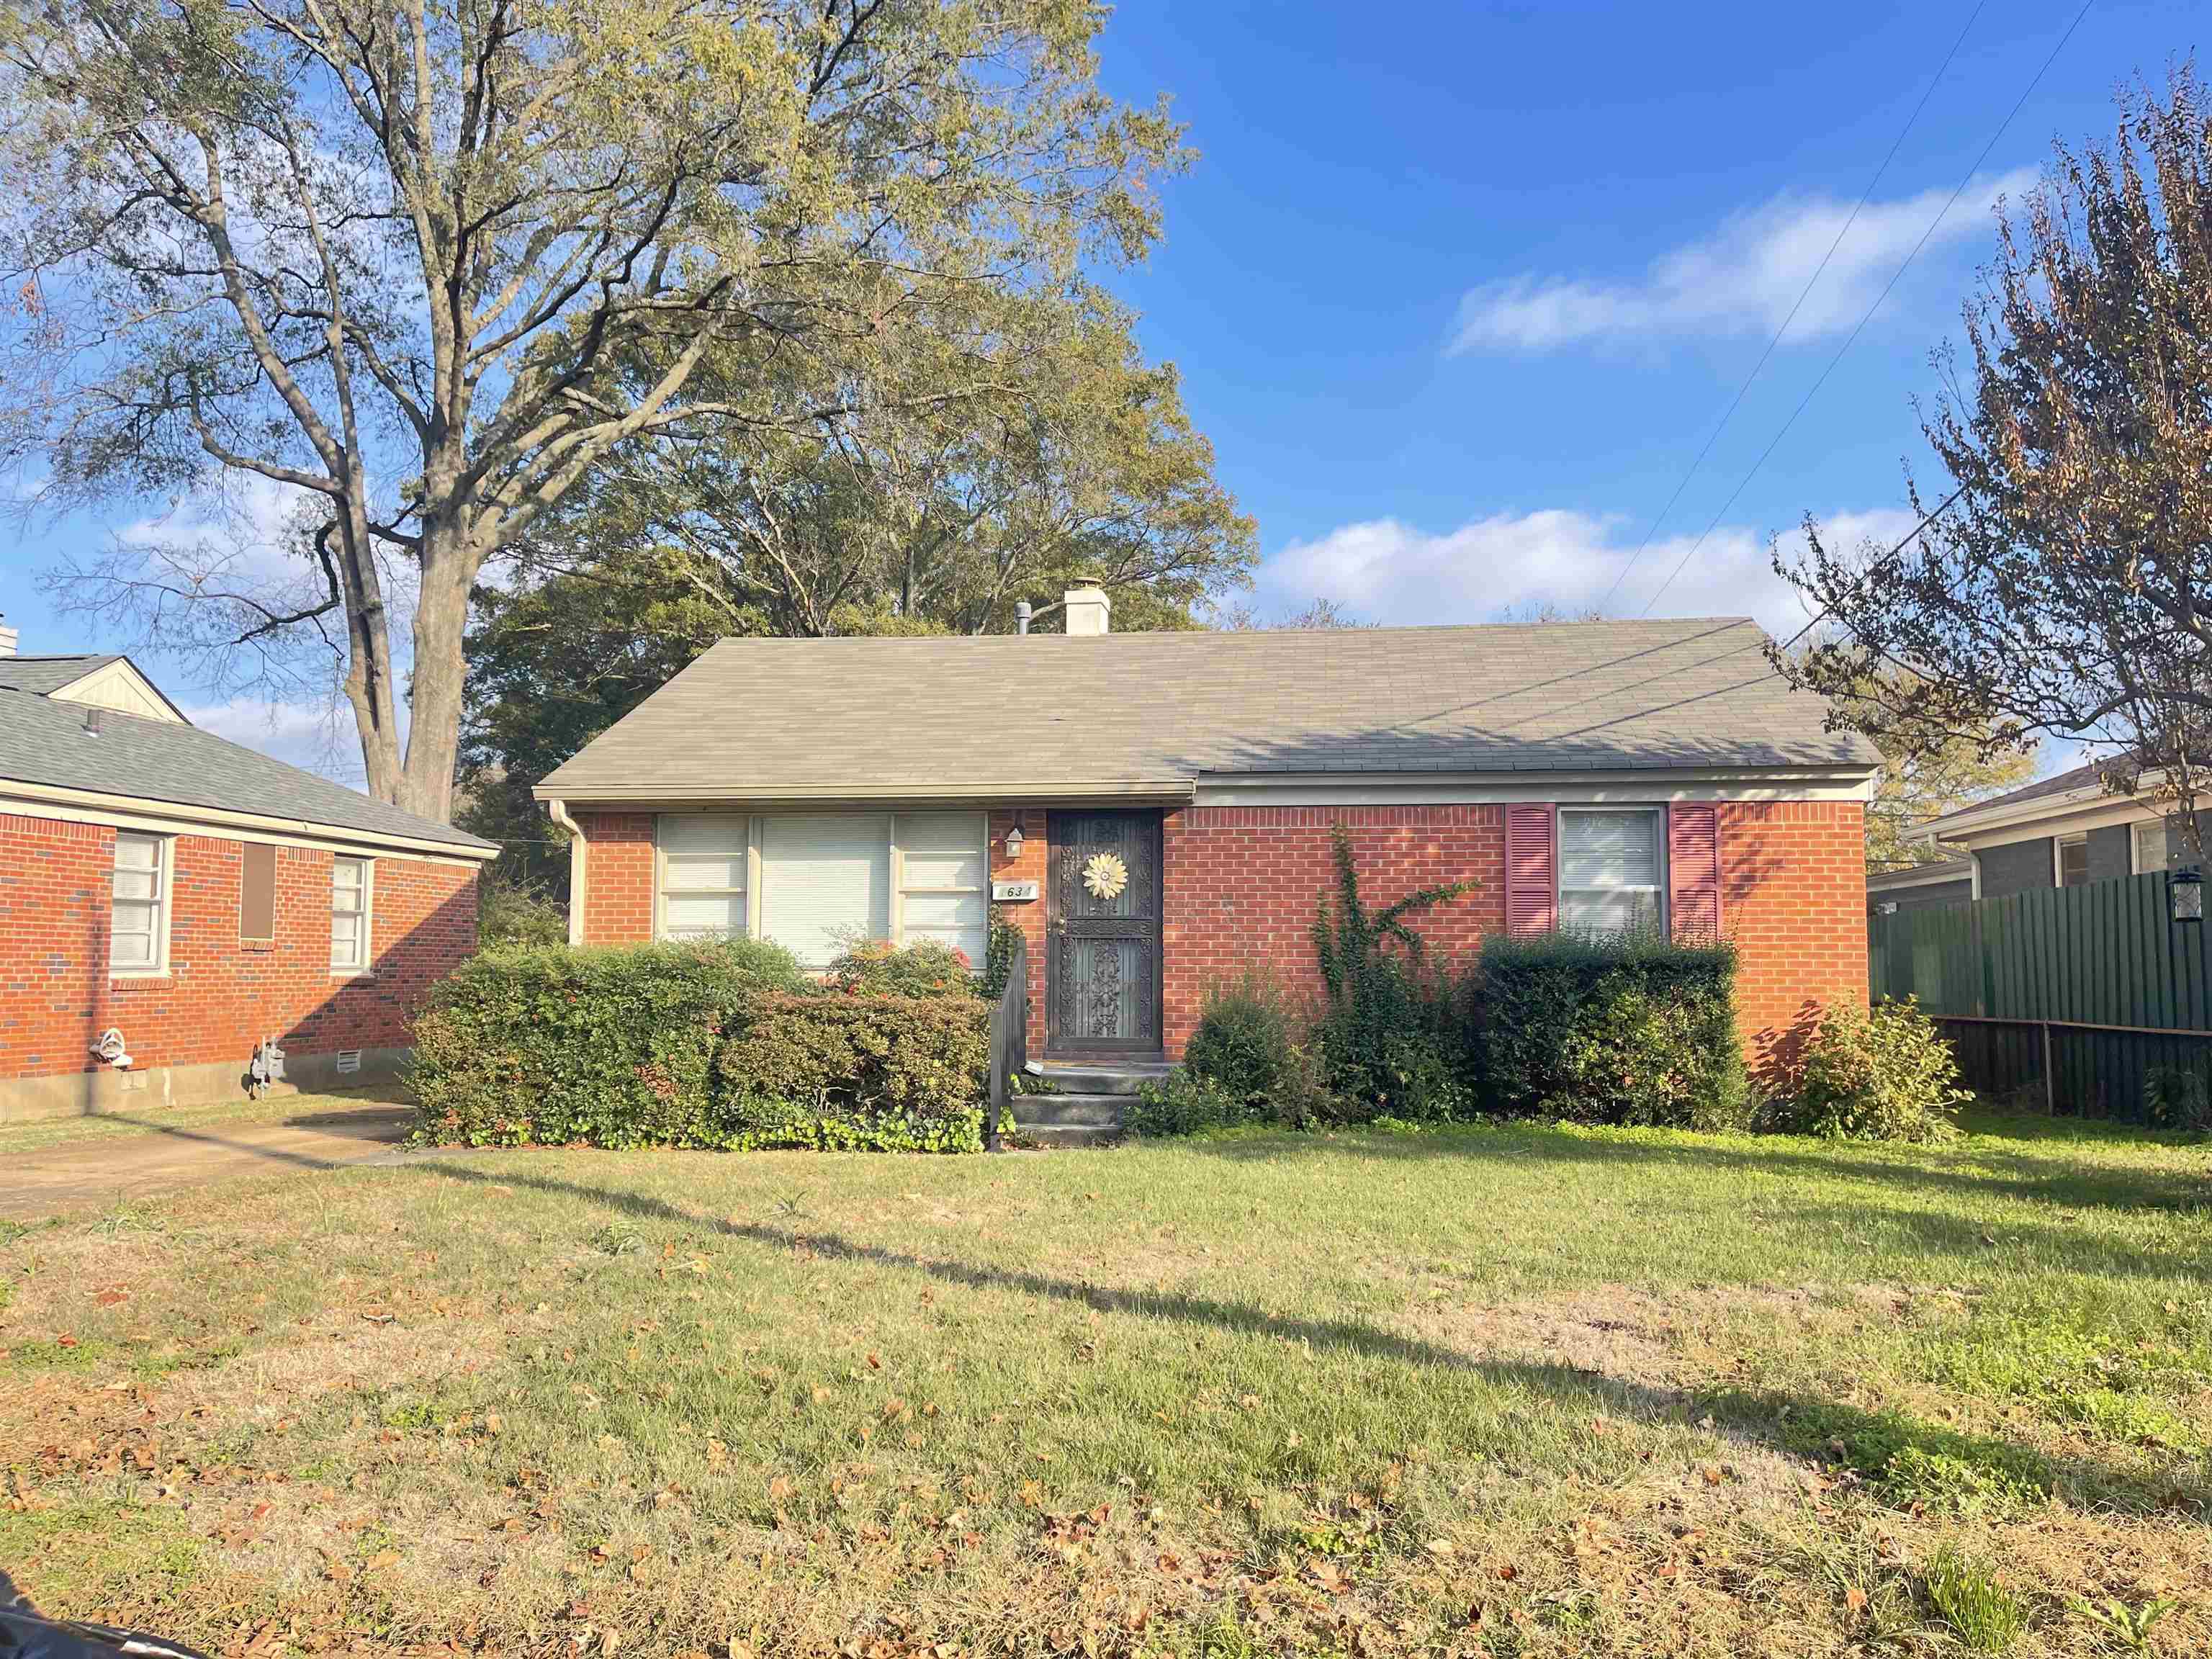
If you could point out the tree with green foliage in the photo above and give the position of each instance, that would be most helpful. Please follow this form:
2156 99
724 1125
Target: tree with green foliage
2064 585
420 268
1926 770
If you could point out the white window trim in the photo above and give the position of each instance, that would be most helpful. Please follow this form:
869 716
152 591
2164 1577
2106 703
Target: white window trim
901 892
367 968
660 873
2134 846
755 831
165 861
1559 889
2058 846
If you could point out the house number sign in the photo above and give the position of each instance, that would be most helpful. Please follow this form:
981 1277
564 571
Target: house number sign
1013 892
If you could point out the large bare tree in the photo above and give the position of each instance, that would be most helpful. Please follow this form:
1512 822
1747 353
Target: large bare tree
429 263
2062 584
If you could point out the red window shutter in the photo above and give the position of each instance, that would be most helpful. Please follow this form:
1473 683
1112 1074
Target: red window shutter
1693 869
1532 893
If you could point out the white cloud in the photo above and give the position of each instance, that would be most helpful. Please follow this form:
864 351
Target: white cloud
1741 279
1386 571
240 523
316 737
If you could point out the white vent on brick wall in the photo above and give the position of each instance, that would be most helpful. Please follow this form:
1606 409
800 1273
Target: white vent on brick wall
348 1061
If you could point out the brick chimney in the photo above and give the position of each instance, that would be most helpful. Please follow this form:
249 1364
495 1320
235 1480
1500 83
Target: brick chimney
1089 610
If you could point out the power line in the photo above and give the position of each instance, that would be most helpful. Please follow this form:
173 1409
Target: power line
1857 207
1859 580
2020 104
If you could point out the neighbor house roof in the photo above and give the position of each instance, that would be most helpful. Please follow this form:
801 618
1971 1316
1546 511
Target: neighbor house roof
1921 875
1133 714
45 674
2099 784
47 743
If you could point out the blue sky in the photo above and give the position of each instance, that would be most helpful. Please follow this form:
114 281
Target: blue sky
1459 292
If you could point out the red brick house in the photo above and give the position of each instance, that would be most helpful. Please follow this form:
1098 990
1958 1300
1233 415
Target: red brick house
1154 811
197 897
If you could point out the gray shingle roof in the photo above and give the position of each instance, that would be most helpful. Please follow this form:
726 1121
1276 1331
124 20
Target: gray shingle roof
46 675
42 741
862 717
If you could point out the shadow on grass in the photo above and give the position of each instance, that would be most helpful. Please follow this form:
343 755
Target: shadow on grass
2046 1178
1797 1423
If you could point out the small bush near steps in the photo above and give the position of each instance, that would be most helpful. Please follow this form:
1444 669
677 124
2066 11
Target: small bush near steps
1879 1074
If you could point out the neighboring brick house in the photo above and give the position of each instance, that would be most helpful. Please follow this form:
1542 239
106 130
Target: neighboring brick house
1154 811
197 897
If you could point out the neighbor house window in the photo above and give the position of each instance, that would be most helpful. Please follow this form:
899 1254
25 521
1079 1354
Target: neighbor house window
138 925
1612 875
350 896
2074 860
2150 847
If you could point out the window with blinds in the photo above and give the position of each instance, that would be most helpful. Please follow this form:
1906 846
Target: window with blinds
817 883
825 883
944 884
138 920
350 896
705 873
1612 874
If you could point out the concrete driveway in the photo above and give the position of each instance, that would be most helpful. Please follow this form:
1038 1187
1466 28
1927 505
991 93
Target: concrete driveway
99 1173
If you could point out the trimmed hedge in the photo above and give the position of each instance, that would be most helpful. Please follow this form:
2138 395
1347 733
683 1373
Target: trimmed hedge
1631 1030
887 1073
612 1047
723 1044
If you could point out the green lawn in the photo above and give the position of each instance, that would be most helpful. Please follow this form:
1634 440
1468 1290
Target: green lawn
1511 1391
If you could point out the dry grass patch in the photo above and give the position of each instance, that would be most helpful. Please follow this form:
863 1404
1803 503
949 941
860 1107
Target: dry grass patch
1493 1392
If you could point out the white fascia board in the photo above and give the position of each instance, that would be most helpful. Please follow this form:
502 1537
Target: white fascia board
38 801
674 795
1925 875
1484 788
2069 814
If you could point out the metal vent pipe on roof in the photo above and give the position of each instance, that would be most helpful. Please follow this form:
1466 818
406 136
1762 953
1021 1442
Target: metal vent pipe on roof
1022 616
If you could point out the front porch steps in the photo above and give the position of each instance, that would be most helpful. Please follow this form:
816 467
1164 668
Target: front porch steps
1084 1106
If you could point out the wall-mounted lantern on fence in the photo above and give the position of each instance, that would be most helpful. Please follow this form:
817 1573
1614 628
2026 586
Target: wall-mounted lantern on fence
2184 890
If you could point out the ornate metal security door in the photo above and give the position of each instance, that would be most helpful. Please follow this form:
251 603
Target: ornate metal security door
1102 975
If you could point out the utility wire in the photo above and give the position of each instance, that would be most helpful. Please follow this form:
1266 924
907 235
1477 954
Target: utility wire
2020 104
1857 207
1861 580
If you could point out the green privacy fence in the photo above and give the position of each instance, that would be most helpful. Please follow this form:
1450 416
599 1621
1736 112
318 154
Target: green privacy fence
2074 994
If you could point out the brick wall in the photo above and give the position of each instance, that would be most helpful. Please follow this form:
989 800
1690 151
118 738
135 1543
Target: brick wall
1793 897
618 878
1244 883
1241 885
220 996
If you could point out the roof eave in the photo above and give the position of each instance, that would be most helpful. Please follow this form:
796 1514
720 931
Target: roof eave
21 792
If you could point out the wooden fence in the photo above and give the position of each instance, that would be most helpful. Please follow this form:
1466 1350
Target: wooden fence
2075 994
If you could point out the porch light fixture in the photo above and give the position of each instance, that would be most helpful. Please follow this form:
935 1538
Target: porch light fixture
2185 892
1014 841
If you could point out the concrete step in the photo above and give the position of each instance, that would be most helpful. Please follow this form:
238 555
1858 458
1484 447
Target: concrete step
1067 1111
1099 1077
1068 1135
